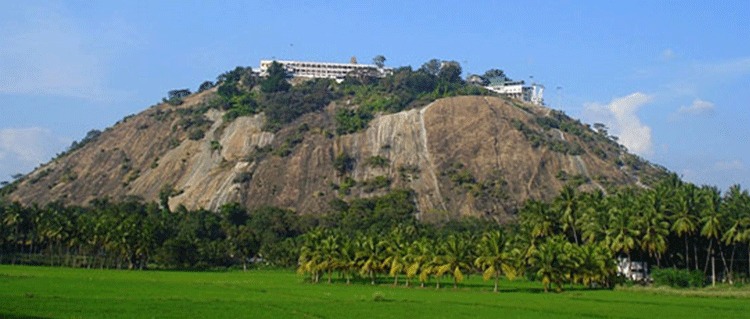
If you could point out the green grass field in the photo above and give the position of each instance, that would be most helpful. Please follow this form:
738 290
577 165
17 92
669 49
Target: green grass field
40 292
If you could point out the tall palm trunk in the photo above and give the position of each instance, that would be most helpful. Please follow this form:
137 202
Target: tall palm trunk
731 264
687 253
497 281
708 254
695 255
723 261
575 235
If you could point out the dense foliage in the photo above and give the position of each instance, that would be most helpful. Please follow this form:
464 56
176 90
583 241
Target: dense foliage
678 278
281 102
404 89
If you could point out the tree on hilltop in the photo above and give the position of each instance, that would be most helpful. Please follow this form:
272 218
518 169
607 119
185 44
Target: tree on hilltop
450 71
178 94
495 73
379 61
275 80
431 67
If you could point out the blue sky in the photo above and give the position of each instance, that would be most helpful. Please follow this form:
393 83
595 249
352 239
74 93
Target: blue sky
671 79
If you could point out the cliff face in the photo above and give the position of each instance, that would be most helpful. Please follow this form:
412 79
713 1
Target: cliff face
467 155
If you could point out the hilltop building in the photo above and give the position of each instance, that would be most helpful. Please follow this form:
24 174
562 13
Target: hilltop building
324 70
517 90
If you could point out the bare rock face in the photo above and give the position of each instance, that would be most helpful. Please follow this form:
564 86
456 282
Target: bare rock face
468 155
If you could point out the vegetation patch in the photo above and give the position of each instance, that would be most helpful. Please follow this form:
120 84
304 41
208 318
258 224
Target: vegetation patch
677 278
343 163
243 177
292 141
408 172
377 161
379 182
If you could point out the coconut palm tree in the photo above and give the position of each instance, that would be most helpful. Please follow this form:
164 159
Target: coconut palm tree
737 218
420 256
623 231
538 219
492 256
594 220
311 257
395 250
454 257
684 217
554 261
654 225
347 254
330 248
597 264
711 220
13 222
567 205
371 255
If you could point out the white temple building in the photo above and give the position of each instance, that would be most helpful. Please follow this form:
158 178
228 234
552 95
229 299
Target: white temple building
324 70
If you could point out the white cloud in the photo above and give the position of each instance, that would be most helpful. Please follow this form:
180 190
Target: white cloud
698 107
621 118
21 149
42 52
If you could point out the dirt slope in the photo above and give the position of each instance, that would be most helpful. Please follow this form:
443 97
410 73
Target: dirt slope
467 155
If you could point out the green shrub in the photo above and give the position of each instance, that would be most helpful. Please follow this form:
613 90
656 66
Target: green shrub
291 141
243 177
376 183
215 145
378 161
547 122
460 175
347 185
196 134
378 296
677 278
343 163
409 172
350 121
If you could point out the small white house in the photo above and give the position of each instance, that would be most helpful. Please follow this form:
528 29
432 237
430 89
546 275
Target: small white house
635 270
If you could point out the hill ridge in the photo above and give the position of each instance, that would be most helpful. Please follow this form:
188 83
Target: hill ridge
462 155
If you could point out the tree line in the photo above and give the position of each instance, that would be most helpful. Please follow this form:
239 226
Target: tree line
575 238
131 234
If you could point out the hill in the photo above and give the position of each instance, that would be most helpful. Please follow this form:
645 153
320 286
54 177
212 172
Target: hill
470 155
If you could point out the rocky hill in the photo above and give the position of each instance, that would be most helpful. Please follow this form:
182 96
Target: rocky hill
464 155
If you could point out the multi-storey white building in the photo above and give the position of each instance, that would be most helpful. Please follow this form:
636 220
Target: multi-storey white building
324 70
517 90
